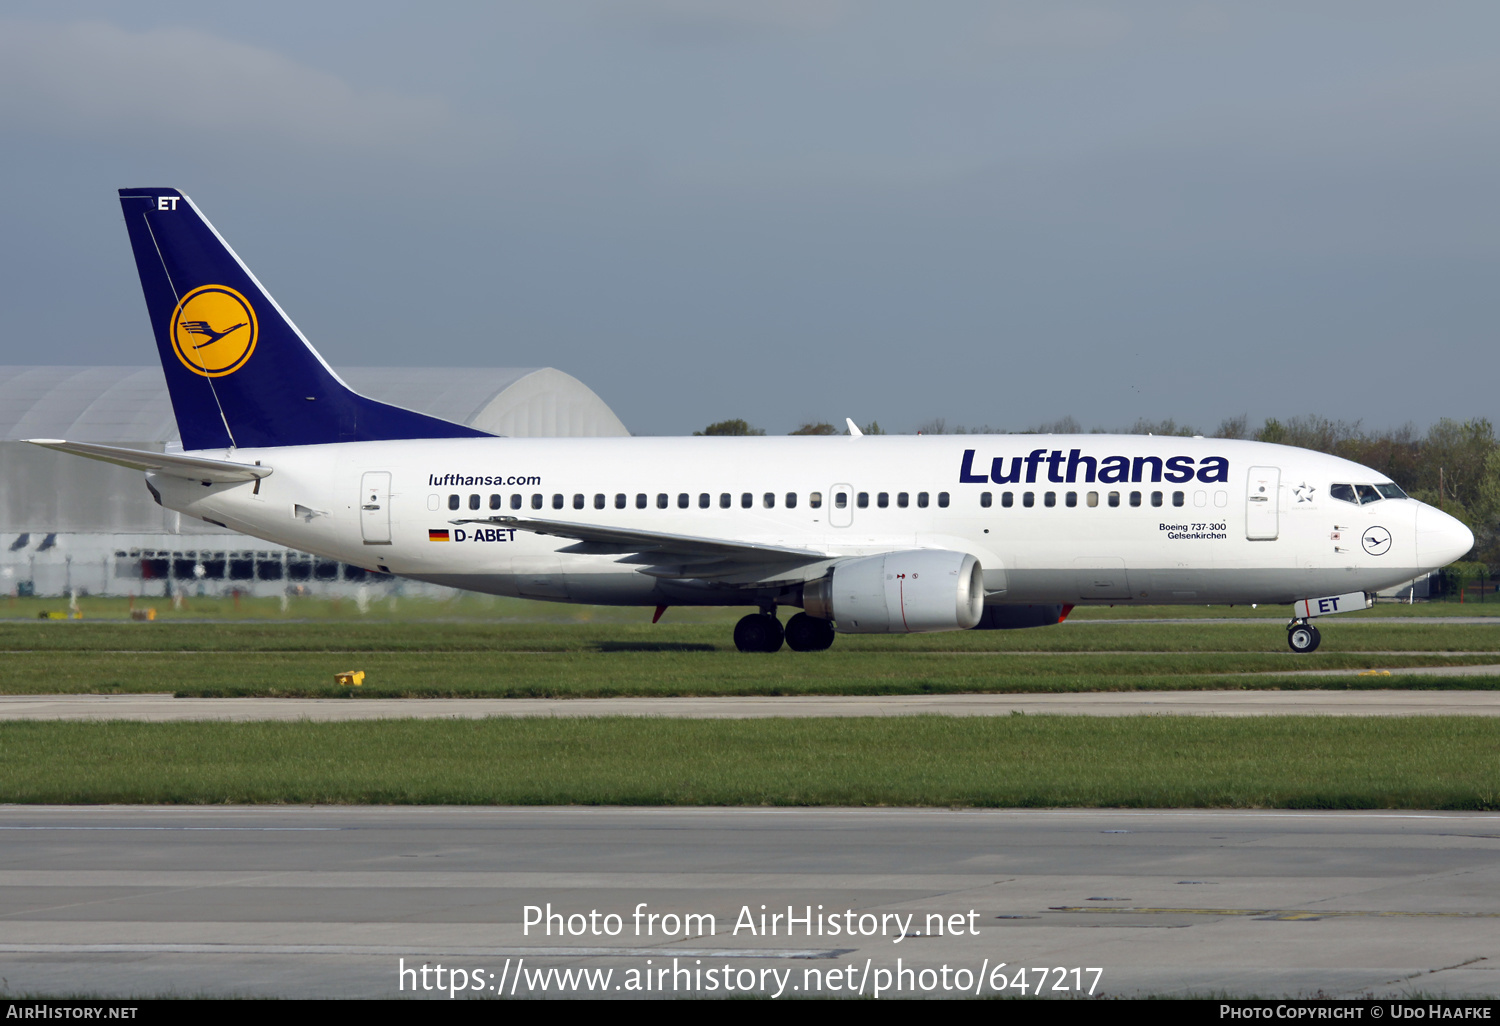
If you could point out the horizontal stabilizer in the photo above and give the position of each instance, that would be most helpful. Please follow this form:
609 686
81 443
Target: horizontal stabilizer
194 468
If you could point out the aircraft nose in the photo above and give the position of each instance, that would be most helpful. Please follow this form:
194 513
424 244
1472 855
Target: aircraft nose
1440 538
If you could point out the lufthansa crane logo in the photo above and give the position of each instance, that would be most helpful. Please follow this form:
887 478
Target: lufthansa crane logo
1376 540
214 331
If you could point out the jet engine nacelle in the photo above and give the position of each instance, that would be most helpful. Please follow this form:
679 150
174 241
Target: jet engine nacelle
900 593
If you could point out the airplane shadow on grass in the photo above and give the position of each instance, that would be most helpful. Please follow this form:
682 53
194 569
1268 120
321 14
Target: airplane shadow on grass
653 646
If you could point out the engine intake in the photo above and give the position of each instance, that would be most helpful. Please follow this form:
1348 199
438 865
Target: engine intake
900 593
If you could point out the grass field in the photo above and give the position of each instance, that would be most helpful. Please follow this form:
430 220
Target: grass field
1017 761
469 657
476 646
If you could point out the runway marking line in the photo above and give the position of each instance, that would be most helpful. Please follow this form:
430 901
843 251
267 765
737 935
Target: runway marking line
592 651
479 811
186 828
386 949
1287 914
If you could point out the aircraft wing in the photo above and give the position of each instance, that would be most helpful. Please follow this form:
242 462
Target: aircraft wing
664 555
194 468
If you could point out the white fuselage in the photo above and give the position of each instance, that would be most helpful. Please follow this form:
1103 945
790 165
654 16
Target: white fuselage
1242 521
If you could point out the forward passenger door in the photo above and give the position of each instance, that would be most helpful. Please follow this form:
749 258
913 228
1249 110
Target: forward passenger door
1262 504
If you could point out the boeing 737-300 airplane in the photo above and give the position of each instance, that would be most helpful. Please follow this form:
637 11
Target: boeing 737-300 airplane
865 534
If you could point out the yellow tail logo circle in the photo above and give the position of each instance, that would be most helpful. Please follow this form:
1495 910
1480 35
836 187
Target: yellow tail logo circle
214 331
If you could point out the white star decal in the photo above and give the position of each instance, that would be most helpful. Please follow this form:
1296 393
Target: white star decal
1304 492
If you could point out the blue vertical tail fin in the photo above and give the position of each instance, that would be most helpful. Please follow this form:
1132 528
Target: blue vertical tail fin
238 370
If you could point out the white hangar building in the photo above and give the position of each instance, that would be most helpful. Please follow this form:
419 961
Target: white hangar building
74 525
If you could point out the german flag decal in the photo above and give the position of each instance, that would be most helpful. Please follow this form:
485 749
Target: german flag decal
433 534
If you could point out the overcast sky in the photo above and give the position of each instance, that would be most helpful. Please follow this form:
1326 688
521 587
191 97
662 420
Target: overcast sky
995 213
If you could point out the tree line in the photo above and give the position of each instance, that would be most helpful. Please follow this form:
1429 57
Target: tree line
1454 465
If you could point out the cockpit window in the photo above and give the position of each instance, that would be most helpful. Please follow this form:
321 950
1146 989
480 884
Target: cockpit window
1365 494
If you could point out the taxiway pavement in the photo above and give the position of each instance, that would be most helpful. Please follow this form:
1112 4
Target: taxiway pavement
160 708
312 902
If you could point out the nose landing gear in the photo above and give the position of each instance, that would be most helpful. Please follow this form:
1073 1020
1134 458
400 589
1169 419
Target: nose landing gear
1302 636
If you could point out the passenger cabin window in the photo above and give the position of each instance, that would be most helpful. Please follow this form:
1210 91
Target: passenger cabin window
1070 499
515 501
1093 499
1179 498
704 500
494 502
536 501
1007 499
943 500
1156 498
1114 498
661 500
815 500
474 502
725 499
791 500
557 501
921 500
747 500
841 499
985 498
1050 499
862 500
640 500
1135 498
578 500
883 500
598 500
453 501
682 500
619 500
903 499
769 500
1028 499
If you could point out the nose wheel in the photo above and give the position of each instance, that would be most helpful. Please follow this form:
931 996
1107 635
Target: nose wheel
758 632
1302 636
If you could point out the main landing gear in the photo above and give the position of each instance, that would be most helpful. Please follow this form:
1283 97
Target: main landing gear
762 632
808 633
1302 636
758 632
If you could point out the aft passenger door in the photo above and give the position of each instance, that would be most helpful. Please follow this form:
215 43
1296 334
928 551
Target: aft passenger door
375 507
1262 504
